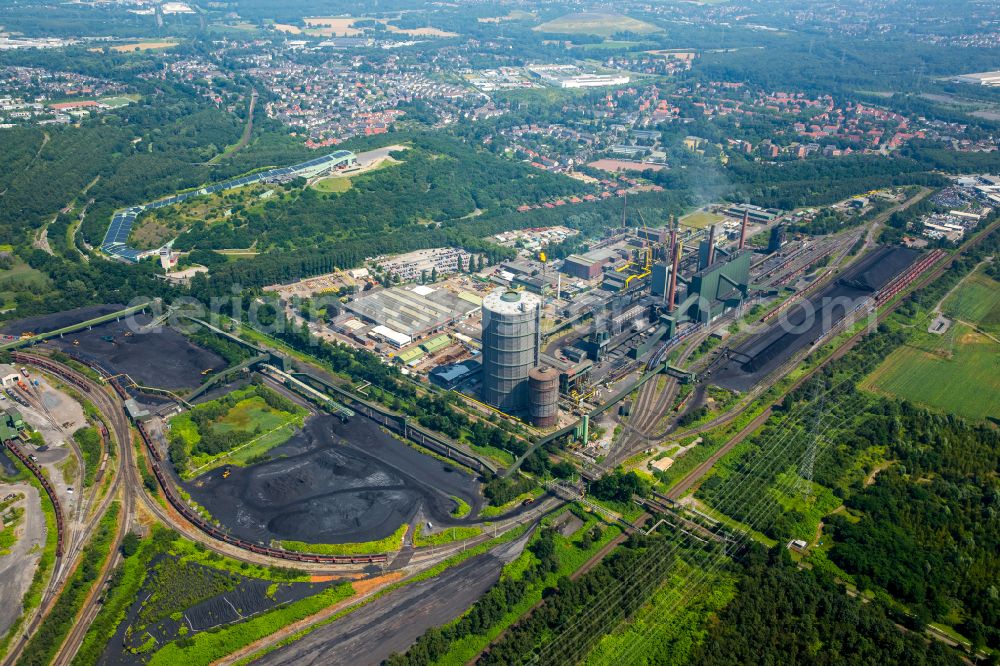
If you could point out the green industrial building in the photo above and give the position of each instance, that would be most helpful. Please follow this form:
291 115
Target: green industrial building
11 424
719 287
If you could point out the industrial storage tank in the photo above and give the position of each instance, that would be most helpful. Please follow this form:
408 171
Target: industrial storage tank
511 342
543 396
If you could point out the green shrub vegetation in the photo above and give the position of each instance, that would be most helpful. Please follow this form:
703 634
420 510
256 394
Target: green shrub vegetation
445 536
199 437
390 543
89 441
8 535
205 647
178 586
42 646
669 628
462 507
123 589
233 353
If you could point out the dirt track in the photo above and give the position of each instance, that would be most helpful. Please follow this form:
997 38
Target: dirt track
18 566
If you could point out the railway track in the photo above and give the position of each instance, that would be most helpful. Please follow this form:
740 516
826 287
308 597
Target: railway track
67 563
932 271
649 408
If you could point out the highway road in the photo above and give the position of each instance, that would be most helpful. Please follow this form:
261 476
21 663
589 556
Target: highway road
392 623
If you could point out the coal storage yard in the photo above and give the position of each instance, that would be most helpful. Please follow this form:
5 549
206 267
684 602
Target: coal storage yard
801 325
335 482
163 358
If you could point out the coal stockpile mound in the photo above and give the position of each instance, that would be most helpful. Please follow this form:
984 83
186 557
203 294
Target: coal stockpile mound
162 358
56 320
334 483
802 324
877 270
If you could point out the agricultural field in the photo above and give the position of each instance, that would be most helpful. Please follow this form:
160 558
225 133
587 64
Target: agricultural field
139 46
593 23
977 301
512 15
234 430
344 26
958 372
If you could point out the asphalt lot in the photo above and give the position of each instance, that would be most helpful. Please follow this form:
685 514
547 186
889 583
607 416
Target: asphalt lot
392 623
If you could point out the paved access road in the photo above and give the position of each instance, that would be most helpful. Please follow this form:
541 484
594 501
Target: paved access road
392 623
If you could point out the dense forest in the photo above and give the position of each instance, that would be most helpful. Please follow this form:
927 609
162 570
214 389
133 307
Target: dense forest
786 615
930 524
925 527
439 180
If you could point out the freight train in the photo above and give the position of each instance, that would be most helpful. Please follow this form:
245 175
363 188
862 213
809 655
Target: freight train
49 490
192 517
177 502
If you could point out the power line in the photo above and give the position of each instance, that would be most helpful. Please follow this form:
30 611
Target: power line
780 438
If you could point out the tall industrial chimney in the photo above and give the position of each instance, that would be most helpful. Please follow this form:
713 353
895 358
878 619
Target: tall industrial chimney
711 245
743 229
668 258
673 276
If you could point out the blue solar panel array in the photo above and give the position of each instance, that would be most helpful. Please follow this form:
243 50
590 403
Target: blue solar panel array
116 239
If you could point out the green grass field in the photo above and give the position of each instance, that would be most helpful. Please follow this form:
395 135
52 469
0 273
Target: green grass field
249 414
116 102
977 301
958 372
335 184
701 219
593 23
608 45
